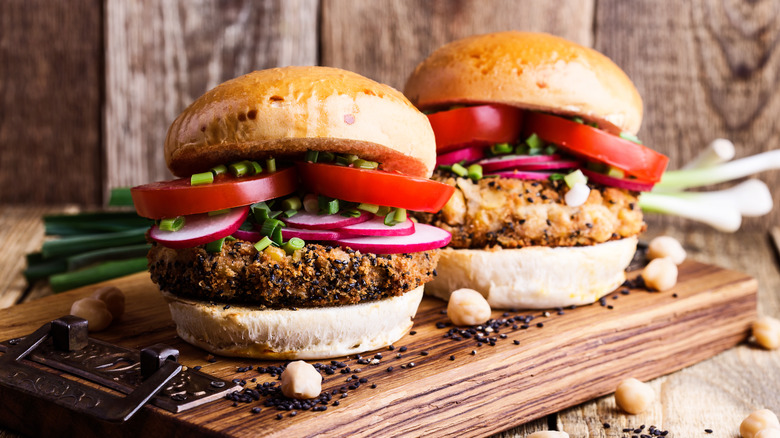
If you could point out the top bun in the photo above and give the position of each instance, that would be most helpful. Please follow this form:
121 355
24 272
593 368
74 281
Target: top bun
287 111
528 70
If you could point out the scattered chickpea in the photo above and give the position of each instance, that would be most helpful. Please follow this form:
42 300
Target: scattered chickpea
301 380
666 246
766 330
468 307
660 274
634 396
94 311
757 422
548 434
114 299
768 433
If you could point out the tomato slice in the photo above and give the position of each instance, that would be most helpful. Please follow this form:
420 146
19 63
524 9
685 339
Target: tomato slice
374 187
481 125
597 145
163 199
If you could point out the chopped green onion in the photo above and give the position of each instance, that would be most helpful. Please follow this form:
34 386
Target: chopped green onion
597 167
293 244
263 243
326 157
311 156
198 179
501 149
254 167
459 170
521 149
371 208
615 172
475 172
260 211
341 161
351 158
273 214
292 203
576 177
550 149
219 170
556 177
230 238
120 197
578 120
400 215
269 225
328 205
215 246
247 226
270 164
172 223
390 218
364 164
445 167
239 169
290 213
276 236
534 142
311 203
383 210
630 137
352 212
219 212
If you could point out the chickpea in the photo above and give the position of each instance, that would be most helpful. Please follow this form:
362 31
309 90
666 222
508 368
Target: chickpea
301 380
549 434
660 274
666 246
634 396
757 422
94 311
768 433
114 299
468 307
766 330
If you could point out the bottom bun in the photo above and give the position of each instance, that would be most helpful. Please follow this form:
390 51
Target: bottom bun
306 333
535 277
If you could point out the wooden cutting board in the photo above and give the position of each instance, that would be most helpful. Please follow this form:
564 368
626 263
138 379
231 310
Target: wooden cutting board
558 361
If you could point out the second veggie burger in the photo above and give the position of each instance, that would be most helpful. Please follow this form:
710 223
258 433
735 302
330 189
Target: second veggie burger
537 135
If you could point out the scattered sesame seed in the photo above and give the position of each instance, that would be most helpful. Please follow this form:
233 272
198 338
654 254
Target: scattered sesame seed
452 357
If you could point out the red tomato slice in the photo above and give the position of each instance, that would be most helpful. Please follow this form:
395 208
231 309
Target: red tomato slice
374 187
597 145
163 199
476 126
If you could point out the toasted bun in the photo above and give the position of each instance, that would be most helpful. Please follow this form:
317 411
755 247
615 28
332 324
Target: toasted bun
285 111
535 277
529 70
311 333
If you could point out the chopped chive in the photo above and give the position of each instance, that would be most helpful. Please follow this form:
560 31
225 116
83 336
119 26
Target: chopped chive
276 236
172 223
371 208
501 149
263 243
399 215
219 212
475 172
269 225
273 214
365 164
534 142
254 167
459 170
311 156
270 164
550 149
293 244
390 218
198 179
326 157
630 137
351 158
239 169
120 197
383 210
219 170
102 272
328 205
292 203
352 212
215 246
290 213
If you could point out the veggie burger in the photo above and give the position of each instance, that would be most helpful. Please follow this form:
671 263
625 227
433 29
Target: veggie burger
287 235
537 135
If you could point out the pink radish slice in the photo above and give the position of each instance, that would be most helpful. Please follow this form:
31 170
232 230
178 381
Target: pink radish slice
469 154
248 235
518 174
510 161
620 183
314 221
377 227
425 237
549 165
288 233
200 229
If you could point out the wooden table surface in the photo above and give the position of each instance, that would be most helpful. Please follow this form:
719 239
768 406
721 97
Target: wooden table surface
715 394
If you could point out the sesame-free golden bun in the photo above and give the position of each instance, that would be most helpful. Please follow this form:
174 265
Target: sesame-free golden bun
283 112
529 70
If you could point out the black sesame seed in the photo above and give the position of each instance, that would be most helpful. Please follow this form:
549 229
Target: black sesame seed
412 332
607 426
452 357
256 410
389 369
402 349
708 430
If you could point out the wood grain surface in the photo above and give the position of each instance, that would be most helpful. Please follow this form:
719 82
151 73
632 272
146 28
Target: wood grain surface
557 361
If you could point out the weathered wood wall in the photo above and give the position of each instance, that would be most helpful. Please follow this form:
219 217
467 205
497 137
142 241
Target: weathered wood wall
88 88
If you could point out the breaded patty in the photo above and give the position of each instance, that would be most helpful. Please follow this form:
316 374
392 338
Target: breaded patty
316 276
515 213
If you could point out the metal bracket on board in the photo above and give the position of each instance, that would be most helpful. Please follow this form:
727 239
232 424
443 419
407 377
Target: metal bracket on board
150 375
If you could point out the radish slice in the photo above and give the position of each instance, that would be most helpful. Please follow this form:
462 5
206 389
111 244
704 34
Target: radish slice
510 161
628 184
550 165
248 235
314 221
201 228
377 227
425 237
288 233
468 154
520 174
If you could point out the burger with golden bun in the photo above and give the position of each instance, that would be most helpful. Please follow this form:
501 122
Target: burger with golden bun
537 136
287 235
